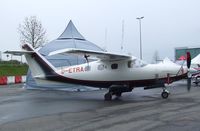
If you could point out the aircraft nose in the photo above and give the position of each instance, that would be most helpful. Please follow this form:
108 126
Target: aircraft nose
185 70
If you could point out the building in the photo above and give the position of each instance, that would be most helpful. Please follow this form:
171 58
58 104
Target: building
180 52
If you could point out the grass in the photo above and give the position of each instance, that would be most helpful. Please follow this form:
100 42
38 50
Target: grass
12 68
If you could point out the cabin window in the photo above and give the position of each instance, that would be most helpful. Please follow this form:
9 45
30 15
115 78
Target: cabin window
114 66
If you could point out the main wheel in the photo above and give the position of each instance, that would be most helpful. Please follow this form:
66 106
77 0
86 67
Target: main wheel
165 95
118 94
108 97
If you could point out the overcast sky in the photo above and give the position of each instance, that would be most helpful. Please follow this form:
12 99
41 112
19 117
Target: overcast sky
167 23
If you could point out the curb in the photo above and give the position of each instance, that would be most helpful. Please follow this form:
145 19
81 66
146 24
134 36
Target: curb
5 80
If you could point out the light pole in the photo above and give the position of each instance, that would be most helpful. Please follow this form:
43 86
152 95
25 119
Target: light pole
139 18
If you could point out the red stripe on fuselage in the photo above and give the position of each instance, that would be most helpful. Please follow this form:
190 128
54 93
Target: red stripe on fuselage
106 84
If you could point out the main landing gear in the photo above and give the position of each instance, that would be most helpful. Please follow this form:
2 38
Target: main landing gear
108 96
165 93
117 91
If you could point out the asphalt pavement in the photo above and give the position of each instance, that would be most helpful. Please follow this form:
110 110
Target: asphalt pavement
42 110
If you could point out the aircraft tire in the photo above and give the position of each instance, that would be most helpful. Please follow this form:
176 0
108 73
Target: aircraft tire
118 94
108 97
165 95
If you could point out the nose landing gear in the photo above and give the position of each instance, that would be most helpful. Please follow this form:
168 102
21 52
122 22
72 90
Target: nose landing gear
165 94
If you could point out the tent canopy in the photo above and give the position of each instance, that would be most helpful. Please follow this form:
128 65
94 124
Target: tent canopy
71 33
70 38
196 60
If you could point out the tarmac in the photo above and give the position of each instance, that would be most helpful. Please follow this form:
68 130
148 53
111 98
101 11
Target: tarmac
140 110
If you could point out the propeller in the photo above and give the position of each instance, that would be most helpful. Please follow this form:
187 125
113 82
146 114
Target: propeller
189 78
188 60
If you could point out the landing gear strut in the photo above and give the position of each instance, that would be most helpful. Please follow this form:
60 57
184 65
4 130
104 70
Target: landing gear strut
165 94
108 96
117 91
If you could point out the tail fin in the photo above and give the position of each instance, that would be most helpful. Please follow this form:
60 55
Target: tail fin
38 65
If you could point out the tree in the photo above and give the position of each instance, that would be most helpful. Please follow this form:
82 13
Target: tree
31 31
0 56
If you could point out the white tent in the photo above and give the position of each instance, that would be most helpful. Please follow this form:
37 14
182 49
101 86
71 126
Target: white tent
167 62
70 38
196 60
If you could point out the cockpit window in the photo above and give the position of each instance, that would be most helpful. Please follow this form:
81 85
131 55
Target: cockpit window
142 63
136 63
101 67
131 63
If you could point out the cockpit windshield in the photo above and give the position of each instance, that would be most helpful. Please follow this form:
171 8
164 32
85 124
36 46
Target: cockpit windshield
136 63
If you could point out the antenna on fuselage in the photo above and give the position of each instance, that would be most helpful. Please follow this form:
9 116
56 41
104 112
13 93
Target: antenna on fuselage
105 48
86 58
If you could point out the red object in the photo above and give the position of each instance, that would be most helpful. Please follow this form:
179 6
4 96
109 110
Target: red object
18 79
3 80
168 80
182 58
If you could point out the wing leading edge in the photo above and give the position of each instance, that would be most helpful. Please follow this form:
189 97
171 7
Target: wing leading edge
92 54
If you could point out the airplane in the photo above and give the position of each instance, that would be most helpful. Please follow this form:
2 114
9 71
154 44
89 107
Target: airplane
118 73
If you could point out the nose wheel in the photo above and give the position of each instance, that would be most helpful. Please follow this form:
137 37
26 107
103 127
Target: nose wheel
165 94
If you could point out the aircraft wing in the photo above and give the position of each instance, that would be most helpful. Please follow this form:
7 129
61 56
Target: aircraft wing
19 53
92 54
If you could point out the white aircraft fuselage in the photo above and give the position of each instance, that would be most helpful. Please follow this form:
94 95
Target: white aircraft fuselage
119 73
102 74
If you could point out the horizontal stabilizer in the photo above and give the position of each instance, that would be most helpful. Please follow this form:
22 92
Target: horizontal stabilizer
19 53
39 66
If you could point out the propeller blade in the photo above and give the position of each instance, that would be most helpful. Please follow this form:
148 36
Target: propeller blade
188 60
189 77
189 83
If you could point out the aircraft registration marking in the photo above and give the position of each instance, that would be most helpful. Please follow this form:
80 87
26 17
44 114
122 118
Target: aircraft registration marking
74 70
